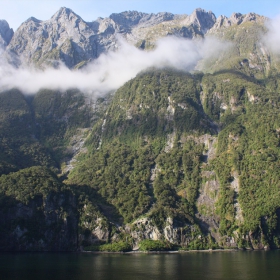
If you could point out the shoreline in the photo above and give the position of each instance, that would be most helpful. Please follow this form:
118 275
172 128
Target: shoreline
149 252
170 252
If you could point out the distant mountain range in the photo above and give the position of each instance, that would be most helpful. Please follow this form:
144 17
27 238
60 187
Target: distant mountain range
68 38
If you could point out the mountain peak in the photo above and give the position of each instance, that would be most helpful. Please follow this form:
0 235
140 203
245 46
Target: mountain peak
33 19
4 24
201 14
64 12
127 18
236 18
202 19
6 33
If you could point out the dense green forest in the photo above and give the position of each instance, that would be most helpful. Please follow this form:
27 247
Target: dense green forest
171 160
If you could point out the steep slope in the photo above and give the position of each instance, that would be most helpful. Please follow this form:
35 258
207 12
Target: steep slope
41 136
191 159
63 120
19 147
184 159
6 34
151 27
156 153
47 129
136 160
65 37
247 52
249 118
37 213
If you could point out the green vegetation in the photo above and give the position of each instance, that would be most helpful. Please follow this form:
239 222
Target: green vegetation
58 117
40 130
133 145
250 146
243 53
155 245
26 184
248 154
153 105
147 156
18 146
37 212
112 247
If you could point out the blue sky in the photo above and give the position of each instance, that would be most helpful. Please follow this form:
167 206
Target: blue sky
17 11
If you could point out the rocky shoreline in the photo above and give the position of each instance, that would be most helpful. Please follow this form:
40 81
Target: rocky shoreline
173 252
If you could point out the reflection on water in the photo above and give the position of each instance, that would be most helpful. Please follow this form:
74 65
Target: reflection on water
192 265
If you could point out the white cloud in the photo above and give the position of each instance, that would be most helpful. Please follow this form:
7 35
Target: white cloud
272 38
112 70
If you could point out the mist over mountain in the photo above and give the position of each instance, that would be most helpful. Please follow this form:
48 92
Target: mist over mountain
102 47
140 131
111 70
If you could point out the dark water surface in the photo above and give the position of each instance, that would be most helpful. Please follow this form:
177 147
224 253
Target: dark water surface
192 265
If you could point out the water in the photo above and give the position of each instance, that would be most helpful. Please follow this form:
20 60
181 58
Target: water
192 265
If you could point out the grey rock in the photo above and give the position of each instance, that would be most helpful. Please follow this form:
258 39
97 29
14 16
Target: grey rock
6 33
44 224
236 19
202 20
67 38
127 20
154 19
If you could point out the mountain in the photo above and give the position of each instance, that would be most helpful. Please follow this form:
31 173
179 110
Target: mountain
6 34
68 38
64 37
169 160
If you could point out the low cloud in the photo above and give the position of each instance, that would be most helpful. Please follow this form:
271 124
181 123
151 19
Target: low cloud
272 38
112 70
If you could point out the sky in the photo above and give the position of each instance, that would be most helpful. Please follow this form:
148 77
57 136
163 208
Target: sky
17 11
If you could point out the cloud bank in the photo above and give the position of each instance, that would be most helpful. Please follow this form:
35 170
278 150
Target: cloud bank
112 70
272 38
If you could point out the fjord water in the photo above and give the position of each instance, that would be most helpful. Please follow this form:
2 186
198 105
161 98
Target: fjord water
191 265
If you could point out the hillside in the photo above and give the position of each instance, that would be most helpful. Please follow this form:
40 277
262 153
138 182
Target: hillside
171 159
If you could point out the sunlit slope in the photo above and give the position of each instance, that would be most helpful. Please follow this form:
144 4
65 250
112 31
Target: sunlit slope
197 154
248 49
190 159
158 141
247 157
145 120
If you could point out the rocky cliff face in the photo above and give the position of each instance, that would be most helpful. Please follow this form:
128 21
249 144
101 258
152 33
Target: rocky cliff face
67 38
41 225
6 34
236 19
36 213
